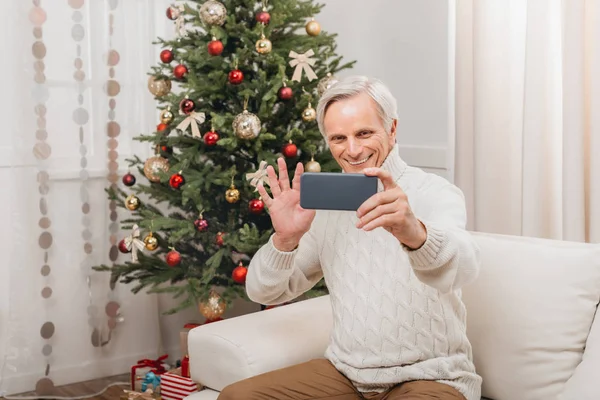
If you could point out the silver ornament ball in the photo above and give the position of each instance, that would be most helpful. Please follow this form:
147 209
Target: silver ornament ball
213 13
246 125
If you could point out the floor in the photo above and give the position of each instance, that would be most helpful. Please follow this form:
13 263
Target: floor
87 388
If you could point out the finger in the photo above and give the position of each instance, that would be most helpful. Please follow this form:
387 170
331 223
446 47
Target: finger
387 196
264 195
384 176
284 179
389 208
297 175
383 221
273 181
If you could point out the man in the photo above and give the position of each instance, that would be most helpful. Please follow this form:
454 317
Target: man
393 269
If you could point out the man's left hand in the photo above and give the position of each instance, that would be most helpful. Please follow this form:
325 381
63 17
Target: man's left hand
390 209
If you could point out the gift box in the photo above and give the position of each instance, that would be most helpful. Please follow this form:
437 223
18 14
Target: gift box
141 379
176 387
183 337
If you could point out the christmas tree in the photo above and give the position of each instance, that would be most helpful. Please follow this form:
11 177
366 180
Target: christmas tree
235 89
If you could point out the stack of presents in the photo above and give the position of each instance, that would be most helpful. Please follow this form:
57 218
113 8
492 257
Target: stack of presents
155 379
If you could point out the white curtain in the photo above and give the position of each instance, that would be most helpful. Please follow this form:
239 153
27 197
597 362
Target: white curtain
74 95
528 116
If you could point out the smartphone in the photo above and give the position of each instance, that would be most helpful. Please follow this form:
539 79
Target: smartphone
335 191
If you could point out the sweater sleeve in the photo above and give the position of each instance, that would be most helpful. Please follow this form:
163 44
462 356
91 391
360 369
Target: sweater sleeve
449 258
275 277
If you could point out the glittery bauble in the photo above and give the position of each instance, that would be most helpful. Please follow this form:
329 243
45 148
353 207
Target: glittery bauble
166 56
213 13
256 206
264 46
123 247
239 274
187 105
201 224
215 47
159 87
309 114
176 181
263 17
166 116
236 77
173 13
173 258
232 195
180 71
154 166
290 150
132 202
246 125
285 93
128 179
312 166
219 239
211 138
326 83
212 308
313 28
151 242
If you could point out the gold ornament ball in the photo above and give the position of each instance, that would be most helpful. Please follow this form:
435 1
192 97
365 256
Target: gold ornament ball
313 28
264 46
213 13
312 166
159 87
154 166
151 242
232 195
166 117
212 308
326 83
309 114
246 125
132 202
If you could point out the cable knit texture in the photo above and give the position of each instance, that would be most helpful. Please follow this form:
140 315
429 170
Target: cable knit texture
398 315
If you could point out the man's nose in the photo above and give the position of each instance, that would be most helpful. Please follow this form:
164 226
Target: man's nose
354 148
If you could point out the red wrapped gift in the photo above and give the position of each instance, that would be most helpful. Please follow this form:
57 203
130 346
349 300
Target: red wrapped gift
146 365
176 387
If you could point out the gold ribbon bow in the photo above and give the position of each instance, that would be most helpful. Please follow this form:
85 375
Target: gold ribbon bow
303 62
193 119
259 176
147 395
134 244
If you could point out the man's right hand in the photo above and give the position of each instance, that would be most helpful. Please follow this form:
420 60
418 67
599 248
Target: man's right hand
290 221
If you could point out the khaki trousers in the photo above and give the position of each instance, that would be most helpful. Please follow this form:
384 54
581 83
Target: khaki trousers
319 379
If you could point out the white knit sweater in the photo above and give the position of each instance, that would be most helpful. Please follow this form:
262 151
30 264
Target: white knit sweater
397 313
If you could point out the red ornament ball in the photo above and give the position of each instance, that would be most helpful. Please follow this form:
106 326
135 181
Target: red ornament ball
161 127
211 138
171 13
166 56
256 206
201 224
239 274
215 47
123 247
263 17
176 181
290 150
166 150
173 258
219 239
285 93
187 106
180 71
236 77
128 179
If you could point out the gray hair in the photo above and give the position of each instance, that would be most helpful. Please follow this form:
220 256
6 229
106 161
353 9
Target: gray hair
352 86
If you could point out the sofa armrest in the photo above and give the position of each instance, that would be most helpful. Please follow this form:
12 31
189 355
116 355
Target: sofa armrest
228 351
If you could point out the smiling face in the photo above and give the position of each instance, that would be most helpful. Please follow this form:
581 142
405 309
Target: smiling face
356 135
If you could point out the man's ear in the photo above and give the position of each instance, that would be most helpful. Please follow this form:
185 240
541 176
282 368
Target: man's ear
393 131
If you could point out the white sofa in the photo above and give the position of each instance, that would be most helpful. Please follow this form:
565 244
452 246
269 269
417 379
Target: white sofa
530 321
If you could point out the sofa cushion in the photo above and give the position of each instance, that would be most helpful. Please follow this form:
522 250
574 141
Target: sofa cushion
529 314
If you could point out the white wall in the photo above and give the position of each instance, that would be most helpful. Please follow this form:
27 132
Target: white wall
405 43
